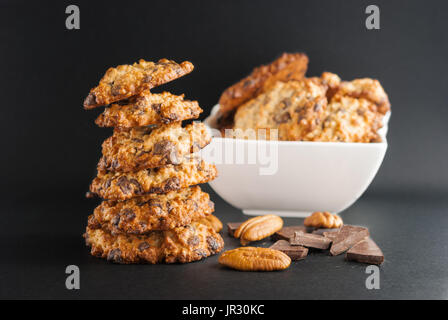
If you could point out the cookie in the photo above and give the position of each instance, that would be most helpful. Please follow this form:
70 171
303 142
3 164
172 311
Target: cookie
150 147
148 108
182 244
125 81
368 89
348 119
294 108
330 81
289 66
153 212
123 186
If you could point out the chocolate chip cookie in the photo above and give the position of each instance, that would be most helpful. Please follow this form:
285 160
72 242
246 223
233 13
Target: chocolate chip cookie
123 186
125 81
150 147
294 108
148 108
348 119
289 66
153 211
354 112
182 244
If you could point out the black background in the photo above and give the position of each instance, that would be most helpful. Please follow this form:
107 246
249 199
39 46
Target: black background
50 145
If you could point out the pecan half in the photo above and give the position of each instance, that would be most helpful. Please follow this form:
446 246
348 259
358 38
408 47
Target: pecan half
213 222
255 259
258 228
323 220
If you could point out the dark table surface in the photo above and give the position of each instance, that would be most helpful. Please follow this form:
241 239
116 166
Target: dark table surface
40 238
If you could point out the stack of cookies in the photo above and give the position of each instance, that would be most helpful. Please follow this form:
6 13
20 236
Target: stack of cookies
152 209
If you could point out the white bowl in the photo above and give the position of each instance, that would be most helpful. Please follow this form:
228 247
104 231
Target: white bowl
309 176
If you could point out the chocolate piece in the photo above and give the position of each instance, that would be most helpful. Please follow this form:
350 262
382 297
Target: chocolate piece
294 252
310 240
347 237
322 231
330 235
287 233
232 226
365 251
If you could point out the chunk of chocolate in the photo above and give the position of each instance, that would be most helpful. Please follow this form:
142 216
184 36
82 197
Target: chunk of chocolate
232 226
310 240
294 252
287 233
330 235
321 231
346 238
365 251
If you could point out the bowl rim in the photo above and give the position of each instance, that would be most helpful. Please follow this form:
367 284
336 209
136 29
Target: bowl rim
302 143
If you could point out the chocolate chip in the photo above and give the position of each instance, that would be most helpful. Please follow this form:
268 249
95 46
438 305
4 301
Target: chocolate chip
116 220
124 184
128 213
282 118
115 90
143 246
166 149
287 102
138 187
143 225
201 252
212 243
107 184
193 241
115 164
147 78
172 184
156 107
173 117
156 190
115 256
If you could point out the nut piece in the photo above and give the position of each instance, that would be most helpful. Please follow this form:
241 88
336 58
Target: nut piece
255 259
323 220
258 228
213 222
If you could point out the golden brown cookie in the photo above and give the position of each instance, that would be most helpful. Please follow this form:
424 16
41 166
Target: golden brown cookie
330 81
123 186
125 81
182 244
150 147
148 108
348 119
289 66
294 108
153 211
368 89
